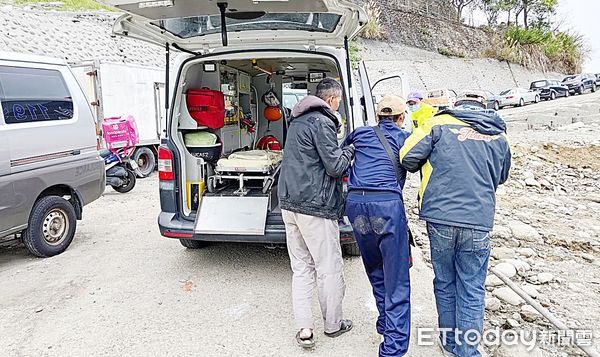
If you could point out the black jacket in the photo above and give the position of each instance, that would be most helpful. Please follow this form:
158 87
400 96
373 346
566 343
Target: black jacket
313 163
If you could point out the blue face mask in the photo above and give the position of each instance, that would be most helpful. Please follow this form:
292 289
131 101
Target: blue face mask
414 107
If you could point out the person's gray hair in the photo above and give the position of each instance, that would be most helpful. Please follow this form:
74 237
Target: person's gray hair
329 87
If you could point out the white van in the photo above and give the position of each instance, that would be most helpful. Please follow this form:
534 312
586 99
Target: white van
243 48
49 162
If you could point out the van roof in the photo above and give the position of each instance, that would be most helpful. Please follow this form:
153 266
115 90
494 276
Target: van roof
23 57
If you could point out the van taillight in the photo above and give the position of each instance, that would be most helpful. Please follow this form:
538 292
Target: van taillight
165 164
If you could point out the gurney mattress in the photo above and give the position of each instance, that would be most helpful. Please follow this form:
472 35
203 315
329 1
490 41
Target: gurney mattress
254 160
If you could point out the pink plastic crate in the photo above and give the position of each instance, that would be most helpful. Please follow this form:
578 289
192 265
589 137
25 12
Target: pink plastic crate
120 132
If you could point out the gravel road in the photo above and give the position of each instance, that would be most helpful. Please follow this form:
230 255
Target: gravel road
122 289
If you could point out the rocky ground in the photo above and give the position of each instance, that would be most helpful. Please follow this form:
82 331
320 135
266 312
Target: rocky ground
547 233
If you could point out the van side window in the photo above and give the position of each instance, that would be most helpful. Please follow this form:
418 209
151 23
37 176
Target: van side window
33 95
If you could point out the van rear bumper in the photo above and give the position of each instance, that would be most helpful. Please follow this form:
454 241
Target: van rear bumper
171 225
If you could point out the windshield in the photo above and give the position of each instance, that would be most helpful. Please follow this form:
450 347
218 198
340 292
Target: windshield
569 78
538 84
187 27
508 91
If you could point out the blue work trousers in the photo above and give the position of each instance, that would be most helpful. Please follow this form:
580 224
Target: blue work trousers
381 231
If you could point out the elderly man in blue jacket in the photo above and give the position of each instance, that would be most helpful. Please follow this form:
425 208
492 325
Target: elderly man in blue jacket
463 156
376 210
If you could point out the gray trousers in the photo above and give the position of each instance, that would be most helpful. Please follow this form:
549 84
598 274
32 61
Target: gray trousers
313 244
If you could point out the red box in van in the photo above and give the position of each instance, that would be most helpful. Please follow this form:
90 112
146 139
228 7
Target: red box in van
207 107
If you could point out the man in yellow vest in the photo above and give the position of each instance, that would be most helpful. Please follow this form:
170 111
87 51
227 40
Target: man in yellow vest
420 112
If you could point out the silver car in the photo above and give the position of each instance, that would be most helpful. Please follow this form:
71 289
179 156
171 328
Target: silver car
49 162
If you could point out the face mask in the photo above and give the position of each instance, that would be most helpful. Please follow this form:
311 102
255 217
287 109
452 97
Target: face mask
414 107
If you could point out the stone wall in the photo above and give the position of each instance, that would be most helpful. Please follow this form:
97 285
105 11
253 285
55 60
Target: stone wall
428 70
72 36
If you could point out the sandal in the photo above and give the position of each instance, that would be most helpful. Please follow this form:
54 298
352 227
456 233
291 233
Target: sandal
305 342
345 326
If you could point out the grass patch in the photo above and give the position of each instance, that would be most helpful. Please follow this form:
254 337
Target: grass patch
373 30
354 54
69 5
541 49
450 52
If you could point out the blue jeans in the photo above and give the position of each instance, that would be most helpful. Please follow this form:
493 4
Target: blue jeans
381 231
460 259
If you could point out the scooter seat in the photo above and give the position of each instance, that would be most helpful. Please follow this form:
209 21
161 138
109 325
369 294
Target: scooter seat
104 153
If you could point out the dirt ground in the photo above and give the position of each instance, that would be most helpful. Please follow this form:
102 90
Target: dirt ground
122 289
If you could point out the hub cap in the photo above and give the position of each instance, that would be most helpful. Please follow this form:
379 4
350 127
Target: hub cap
56 226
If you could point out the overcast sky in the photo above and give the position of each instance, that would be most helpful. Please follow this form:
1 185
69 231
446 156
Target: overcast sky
583 16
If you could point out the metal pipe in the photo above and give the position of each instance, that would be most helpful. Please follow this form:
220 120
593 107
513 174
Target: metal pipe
547 314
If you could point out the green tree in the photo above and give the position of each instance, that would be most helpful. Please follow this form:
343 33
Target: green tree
460 6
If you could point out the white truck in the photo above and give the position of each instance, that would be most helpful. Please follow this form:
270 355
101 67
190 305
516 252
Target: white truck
117 89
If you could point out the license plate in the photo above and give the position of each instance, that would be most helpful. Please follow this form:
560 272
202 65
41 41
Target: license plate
134 164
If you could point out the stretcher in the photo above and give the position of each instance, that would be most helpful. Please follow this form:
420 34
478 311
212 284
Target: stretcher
260 165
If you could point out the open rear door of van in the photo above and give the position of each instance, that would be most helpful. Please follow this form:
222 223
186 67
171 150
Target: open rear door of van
367 100
200 25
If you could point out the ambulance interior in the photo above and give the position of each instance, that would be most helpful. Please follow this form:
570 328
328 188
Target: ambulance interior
237 152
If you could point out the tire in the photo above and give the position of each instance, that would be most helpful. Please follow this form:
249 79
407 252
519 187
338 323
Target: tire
580 90
496 106
594 88
193 244
51 227
553 95
567 94
128 185
537 99
351 250
521 102
146 161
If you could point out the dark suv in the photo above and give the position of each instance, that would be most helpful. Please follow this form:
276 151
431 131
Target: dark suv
549 89
597 80
580 83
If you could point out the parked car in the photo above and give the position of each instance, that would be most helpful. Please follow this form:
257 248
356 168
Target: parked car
49 162
261 48
580 83
291 97
549 89
489 99
441 98
518 97
597 80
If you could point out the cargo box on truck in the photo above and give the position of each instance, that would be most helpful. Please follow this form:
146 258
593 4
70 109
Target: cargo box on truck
120 90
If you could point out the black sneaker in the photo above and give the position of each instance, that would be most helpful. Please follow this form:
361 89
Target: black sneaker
345 326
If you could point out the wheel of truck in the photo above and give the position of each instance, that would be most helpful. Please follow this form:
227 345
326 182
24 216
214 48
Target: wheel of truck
193 244
521 102
128 185
146 161
351 250
51 227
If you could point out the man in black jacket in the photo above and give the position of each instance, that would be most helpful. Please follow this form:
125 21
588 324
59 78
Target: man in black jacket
310 197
